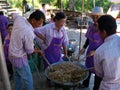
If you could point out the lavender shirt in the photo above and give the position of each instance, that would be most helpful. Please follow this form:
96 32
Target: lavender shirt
49 31
21 42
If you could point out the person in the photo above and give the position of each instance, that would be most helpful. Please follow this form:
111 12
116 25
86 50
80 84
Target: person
93 41
6 46
52 18
21 46
54 36
43 9
3 24
107 56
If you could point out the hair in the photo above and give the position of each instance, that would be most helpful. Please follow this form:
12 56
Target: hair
59 16
43 4
37 15
10 24
1 13
107 23
52 15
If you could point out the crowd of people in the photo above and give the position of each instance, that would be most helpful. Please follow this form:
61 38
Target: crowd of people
101 39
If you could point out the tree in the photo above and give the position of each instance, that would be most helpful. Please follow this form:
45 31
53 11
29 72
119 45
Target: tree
71 5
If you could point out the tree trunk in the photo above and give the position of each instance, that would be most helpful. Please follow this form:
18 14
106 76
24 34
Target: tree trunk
71 5
59 2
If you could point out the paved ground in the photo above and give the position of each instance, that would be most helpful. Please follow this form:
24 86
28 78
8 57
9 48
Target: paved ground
39 77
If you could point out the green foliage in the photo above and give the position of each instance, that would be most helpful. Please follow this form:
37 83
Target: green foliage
15 4
78 4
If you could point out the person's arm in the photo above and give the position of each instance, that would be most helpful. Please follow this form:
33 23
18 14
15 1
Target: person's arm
65 43
97 64
65 51
86 43
40 33
82 51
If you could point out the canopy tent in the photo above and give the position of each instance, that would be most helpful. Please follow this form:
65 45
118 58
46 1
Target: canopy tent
115 1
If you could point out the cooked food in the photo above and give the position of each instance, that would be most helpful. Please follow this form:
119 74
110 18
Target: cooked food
66 72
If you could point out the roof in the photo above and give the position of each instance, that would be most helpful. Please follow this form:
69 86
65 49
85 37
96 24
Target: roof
114 10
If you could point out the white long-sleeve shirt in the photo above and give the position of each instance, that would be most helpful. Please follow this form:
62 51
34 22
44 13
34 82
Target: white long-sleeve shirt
21 41
107 63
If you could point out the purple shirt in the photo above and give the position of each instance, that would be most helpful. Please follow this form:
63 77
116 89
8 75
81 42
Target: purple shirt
94 42
6 46
3 25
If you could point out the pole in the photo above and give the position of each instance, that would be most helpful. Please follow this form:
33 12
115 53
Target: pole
61 9
81 29
33 4
3 69
87 5
7 6
94 3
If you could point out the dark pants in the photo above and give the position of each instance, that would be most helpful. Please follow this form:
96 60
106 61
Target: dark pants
97 81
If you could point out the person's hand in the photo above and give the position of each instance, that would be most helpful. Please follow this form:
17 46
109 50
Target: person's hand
65 56
41 53
82 51
96 41
91 53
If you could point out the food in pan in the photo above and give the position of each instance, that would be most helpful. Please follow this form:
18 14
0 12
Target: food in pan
66 72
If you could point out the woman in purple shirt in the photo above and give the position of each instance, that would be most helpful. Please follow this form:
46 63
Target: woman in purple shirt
3 25
6 47
93 42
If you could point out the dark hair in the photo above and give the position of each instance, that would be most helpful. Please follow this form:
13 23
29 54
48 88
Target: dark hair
1 13
37 15
59 16
11 24
107 23
43 4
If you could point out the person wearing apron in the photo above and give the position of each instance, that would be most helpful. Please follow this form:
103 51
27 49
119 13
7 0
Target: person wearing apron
93 41
54 37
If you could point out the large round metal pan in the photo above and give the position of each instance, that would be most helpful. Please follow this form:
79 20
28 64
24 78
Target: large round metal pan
84 76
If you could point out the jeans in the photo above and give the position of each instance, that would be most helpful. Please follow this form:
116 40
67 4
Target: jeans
23 75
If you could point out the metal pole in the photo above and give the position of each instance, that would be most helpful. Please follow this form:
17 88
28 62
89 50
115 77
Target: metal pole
3 69
81 29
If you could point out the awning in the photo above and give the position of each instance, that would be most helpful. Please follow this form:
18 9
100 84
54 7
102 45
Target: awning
116 1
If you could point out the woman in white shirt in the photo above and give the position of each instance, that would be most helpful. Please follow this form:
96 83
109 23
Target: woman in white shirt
54 37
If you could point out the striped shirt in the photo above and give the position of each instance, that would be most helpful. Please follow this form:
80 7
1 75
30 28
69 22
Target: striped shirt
107 63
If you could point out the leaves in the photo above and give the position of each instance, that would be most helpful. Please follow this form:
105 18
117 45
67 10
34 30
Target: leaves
65 3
